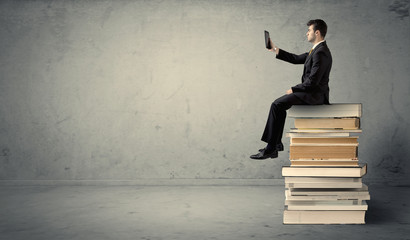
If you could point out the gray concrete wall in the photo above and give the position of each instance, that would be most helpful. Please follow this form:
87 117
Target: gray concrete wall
114 90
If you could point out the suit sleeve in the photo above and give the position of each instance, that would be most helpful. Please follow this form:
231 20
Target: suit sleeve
292 58
311 81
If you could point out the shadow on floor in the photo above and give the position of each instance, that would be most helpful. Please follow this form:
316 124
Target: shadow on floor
389 205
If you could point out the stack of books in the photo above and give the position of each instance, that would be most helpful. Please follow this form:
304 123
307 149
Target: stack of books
324 180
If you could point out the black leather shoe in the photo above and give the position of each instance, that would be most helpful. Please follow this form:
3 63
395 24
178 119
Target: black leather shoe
264 155
279 147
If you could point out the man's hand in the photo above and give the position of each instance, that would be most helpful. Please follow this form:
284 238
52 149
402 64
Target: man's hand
274 48
289 91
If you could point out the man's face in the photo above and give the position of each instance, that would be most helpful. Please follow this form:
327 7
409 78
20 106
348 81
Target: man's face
311 37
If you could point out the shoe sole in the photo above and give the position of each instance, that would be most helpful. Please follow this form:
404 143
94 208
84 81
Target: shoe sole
266 157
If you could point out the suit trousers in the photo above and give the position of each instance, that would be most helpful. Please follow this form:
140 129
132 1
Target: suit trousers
277 115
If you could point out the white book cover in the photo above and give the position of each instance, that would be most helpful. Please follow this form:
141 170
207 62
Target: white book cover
297 130
324 217
300 171
339 110
353 193
322 180
318 135
289 196
312 182
341 205
325 144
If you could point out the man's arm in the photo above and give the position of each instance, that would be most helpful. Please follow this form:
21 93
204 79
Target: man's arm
290 57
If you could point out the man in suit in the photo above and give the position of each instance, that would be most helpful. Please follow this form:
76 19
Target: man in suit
314 88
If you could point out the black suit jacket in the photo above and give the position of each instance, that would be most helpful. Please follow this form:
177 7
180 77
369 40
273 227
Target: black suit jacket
314 88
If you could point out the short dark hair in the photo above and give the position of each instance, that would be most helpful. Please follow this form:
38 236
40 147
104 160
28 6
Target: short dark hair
318 24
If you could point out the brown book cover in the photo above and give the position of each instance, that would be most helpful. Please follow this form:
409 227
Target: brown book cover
322 152
327 123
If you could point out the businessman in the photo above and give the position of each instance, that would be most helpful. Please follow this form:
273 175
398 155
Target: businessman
313 90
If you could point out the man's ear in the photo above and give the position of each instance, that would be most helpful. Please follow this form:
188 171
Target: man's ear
318 34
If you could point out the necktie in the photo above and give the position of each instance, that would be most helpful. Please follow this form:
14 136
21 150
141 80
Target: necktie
310 51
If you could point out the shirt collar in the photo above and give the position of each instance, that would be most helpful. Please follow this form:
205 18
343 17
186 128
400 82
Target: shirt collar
317 44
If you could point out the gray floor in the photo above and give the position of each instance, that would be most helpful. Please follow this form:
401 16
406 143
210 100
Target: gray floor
183 212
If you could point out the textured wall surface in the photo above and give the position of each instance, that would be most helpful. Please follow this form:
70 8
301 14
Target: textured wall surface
181 89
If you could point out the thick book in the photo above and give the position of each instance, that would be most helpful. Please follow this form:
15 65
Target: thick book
339 110
322 152
341 205
359 171
327 123
324 217
322 182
